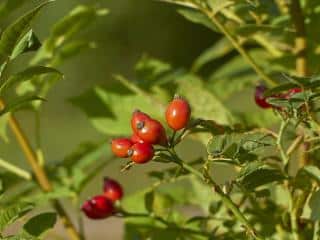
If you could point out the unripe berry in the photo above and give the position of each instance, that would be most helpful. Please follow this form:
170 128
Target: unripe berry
137 120
152 132
98 207
141 152
112 189
259 97
120 147
178 113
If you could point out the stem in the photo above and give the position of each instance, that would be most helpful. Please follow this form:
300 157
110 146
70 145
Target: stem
169 225
39 152
301 38
224 197
296 209
240 49
39 172
283 154
294 225
295 144
316 231
172 139
15 170
259 38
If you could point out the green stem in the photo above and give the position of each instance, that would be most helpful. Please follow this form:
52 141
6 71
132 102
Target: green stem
283 153
15 170
316 231
240 49
224 197
293 220
168 225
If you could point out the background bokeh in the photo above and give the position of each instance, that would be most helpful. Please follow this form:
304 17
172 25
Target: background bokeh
132 28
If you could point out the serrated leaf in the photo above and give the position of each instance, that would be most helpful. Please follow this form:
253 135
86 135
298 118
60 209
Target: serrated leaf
39 224
12 213
237 148
28 74
257 174
13 34
204 104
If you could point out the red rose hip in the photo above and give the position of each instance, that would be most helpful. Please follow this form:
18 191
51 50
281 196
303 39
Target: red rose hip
292 92
136 139
259 97
137 120
120 147
98 207
152 132
141 152
178 113
112 189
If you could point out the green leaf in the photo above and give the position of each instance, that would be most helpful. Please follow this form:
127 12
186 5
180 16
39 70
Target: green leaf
204 104
42 198
251 29
218 50
13 34
313 172
82 165
150 69
19 103
218 5
12 213
71 49
29 42
41 223
77 20
238 147
257 174
113 109
314 206
237 74
197 17
28 74
148 201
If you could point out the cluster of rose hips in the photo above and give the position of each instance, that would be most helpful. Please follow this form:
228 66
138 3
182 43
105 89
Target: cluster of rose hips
103 206
148 132
262 100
